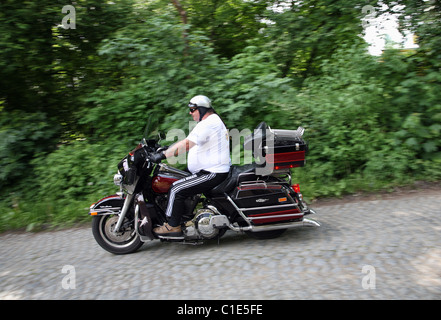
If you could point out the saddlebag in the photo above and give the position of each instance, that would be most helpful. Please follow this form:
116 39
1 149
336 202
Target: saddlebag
264 203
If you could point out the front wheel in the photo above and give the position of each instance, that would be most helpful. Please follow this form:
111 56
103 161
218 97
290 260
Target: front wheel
123 242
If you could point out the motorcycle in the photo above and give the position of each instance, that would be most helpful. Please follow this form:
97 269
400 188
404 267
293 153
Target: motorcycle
258 198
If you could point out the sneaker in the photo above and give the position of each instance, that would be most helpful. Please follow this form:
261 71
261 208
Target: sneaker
167 230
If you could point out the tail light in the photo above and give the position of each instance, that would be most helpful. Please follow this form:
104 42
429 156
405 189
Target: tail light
296 188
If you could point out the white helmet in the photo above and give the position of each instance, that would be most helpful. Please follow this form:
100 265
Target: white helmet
200 102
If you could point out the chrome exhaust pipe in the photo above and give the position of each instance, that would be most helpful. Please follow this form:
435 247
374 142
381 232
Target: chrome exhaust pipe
306 222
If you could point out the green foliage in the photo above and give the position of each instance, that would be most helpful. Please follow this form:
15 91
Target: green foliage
228 24
309 32
248 88
22 136
67 181
45 68
70 172
362 130
154 75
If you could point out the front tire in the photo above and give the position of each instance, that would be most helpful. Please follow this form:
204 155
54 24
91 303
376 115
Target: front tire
124 242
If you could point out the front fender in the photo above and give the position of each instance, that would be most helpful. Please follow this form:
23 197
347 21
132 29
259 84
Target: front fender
143 219
108 205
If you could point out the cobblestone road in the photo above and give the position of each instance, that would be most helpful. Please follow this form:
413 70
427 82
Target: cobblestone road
377 249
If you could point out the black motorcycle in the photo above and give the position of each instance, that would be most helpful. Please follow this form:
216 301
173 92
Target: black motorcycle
257 198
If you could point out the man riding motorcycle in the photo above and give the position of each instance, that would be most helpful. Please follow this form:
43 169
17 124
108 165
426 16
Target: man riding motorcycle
208 160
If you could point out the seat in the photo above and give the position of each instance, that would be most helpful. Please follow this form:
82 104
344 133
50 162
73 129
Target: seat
232 179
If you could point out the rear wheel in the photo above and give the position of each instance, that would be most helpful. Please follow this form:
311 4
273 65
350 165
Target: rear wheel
123 242
262 235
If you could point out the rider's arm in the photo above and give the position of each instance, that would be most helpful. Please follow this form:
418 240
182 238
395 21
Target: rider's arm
178 148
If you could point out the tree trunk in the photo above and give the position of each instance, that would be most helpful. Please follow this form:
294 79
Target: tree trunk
183 15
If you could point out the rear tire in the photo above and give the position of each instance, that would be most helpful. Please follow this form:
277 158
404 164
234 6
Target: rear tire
263 235
124 242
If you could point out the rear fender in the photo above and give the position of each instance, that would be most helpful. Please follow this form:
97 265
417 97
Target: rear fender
106 206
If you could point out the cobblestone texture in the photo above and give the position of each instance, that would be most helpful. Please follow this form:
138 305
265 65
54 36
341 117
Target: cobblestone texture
398 239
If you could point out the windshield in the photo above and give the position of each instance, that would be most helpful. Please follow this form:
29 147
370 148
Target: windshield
152 130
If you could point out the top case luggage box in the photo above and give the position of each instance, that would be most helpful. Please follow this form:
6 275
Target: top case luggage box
285 149
281 148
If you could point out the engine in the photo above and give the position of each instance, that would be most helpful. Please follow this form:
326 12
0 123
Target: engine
205 225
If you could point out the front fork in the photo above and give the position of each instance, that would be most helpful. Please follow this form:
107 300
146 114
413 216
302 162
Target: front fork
125 208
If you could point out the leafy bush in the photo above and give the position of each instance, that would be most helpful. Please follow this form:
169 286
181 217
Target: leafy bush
78 169
67 181
362 132
22 136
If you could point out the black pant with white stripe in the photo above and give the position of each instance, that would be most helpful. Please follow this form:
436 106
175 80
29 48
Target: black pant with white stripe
199 182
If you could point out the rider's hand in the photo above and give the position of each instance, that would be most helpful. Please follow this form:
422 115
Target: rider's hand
156 157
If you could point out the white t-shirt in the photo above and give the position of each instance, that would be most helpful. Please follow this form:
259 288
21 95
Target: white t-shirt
212 149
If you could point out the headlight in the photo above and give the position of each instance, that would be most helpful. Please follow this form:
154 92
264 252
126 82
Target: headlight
117 179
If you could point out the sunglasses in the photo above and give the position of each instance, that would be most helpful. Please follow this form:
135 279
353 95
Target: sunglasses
193 110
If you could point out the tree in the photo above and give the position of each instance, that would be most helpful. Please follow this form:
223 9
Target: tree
44 70
309 31
43 66
229 25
